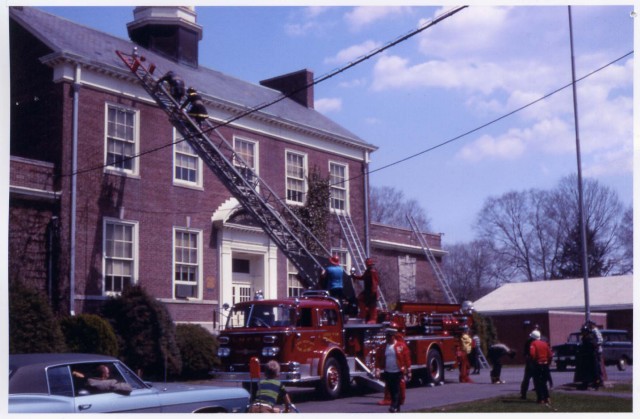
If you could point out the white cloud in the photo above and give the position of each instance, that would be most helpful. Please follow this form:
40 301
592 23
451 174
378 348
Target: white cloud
327 105
363 16
352 53
508 146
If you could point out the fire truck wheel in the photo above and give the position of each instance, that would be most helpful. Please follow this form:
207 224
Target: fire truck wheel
332 379
435 367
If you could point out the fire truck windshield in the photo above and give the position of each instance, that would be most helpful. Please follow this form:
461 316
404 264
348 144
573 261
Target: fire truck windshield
261 315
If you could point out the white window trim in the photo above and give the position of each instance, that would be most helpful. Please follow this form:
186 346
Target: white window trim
181 182
173 260
135 257
256 151
136 140
305 176
346 187
347 259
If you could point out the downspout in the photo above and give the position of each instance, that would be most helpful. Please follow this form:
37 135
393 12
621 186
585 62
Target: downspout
74 176
366 204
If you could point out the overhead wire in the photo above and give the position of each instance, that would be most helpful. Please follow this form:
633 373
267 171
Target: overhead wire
284 96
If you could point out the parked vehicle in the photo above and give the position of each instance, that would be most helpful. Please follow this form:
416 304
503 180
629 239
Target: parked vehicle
60 383
316 346
617 349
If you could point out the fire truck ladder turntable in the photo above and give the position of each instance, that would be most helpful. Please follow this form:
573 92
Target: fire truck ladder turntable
256 197
356 251
432 260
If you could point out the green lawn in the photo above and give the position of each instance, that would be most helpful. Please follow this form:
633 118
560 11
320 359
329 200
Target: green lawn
561 401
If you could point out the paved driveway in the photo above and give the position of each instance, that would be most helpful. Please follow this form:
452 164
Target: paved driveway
307 400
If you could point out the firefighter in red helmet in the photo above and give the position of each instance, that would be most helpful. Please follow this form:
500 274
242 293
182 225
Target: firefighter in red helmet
368 298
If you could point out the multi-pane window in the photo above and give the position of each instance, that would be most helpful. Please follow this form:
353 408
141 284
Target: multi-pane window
294 286
186 163
247 151
121 139
186 266
338 182
119 256
343 255
296 173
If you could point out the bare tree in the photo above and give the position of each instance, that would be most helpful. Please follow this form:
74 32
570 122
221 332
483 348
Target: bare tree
530 230
471 269
625 237
390 206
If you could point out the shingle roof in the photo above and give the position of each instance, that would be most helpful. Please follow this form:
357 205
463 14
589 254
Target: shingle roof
97 48
605 293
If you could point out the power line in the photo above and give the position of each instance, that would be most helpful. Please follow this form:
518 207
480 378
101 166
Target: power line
282 97
442 144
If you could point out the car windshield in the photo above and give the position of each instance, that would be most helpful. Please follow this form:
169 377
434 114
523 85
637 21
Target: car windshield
261 315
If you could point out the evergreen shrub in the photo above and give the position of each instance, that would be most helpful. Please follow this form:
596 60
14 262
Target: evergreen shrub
198 350
89 333
32 324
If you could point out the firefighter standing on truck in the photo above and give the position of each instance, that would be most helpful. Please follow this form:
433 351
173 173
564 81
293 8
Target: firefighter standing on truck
332 276
368 298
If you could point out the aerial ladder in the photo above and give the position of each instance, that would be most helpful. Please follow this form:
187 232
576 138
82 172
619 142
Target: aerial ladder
354 245
277 220
432 261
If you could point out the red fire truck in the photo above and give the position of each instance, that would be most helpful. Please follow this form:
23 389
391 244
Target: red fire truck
316 347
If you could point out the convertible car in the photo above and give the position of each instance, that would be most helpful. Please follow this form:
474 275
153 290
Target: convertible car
85 383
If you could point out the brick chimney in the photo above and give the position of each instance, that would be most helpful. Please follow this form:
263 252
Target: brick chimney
294 82
168 30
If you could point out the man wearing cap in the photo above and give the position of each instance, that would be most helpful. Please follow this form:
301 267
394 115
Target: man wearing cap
368 298
394 359
541 355
332 276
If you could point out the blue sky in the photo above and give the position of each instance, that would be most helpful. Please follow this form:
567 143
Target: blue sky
466 71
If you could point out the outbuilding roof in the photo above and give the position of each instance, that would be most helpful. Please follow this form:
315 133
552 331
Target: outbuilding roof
605 293
72 41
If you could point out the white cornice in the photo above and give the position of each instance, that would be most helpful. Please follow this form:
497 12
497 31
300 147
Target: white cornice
115 80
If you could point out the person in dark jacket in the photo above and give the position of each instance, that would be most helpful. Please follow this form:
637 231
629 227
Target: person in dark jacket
528 367
495 354
176 85
196 108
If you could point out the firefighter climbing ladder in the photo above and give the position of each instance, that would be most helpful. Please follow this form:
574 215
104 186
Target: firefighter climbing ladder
357 252
432 260
273 215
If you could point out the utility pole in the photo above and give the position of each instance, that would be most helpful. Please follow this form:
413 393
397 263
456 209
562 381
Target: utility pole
583 227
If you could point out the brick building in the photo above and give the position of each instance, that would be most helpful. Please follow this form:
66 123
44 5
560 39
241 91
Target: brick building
103 195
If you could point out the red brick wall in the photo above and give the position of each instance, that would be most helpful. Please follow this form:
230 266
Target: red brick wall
150 198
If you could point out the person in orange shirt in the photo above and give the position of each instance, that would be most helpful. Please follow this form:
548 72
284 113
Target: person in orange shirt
541 356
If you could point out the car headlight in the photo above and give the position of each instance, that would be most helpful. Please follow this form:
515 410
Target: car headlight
270 351
224 351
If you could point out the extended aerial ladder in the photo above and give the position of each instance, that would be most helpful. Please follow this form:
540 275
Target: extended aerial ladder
354 245
432 261
255 196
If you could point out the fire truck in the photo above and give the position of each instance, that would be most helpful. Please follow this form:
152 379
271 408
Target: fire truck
316 346
310 336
